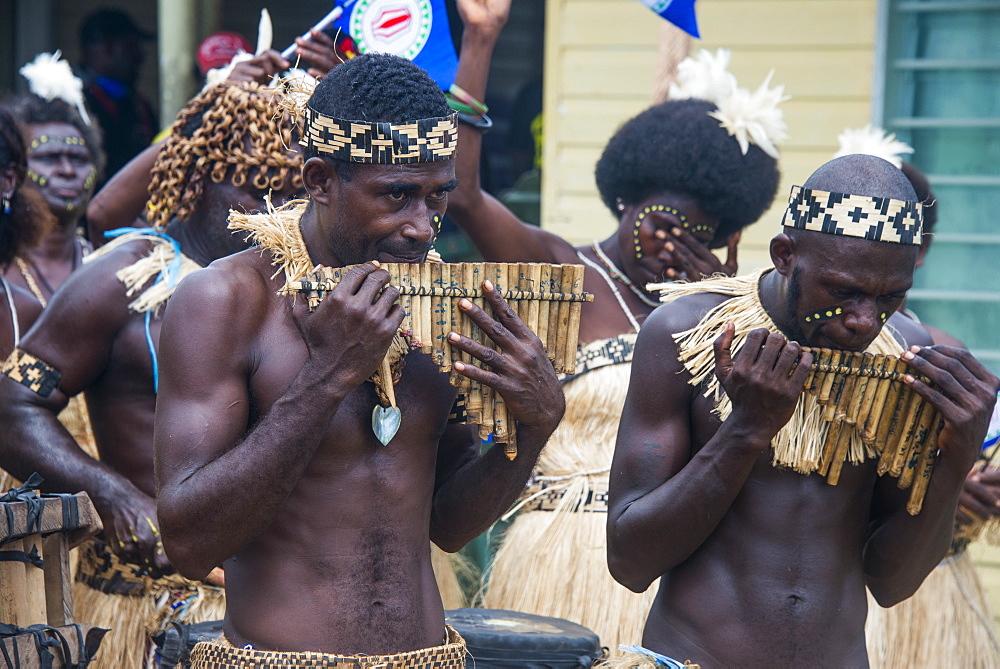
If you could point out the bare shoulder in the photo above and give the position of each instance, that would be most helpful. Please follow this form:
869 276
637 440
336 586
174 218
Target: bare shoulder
908 332
657 361
92 305
939 336
27 306
683 313
106 261
228 288
229 296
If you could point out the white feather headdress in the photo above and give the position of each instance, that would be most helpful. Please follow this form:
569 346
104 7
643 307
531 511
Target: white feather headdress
50 78
872 141
705 76
752 117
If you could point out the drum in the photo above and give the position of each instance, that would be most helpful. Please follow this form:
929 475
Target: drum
495 638
173 646
499 638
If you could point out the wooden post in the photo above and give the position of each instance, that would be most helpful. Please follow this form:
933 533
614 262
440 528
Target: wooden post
12 586
58 583
33 608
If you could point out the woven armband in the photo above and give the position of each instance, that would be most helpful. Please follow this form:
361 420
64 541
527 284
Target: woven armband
34 374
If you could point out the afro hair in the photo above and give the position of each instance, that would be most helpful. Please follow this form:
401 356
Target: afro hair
676 146
379 87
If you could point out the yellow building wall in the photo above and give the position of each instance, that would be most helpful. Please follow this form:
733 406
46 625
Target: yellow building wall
600 65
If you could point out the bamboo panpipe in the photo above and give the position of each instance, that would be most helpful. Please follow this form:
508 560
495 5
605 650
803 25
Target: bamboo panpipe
547 298
864 395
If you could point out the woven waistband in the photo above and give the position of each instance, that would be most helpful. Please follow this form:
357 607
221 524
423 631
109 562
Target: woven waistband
222 655
548 497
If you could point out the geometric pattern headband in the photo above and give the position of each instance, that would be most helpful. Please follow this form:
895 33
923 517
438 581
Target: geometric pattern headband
424 141
880 219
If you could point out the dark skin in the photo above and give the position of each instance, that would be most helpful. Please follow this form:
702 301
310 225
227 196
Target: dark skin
107 358
264 423
27 308
669 251
699 504
68 171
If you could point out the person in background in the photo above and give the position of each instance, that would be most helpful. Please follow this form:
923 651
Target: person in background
64 162
101 334
24 218
112 53
677 183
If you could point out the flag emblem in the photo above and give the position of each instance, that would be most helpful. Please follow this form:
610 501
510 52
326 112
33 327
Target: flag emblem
399 27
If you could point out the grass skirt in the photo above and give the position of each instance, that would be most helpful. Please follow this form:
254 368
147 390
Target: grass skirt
554 562
947 623
111 594
449 569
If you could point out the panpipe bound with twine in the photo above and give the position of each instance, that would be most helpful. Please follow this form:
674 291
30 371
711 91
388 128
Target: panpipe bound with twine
547 298
865 394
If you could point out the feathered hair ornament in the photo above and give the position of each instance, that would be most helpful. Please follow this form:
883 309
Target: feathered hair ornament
705 77
873 141
50 78
752 117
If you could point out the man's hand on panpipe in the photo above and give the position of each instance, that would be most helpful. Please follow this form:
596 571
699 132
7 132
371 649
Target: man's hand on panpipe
765 379
521 372
964 392
980 497
350 330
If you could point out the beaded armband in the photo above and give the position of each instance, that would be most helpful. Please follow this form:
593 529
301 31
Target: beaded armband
34 374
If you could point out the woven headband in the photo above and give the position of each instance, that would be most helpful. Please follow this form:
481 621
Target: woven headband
879 219
423 141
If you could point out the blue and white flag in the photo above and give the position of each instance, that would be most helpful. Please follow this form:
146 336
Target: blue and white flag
678 12
413 29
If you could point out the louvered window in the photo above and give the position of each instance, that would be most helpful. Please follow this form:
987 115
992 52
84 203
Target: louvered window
941 86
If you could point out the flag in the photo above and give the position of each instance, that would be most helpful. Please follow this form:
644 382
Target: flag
413 29
678 12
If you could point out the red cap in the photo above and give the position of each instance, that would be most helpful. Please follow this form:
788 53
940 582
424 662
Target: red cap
218 49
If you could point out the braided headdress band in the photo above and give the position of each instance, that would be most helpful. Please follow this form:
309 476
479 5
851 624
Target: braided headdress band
423 141
879 219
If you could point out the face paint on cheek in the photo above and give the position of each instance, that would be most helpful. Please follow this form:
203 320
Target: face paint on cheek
884 316
91 178
436 222
824 314
37 178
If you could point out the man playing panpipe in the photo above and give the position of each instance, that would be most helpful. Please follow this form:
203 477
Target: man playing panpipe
99 336
762 563
267 460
